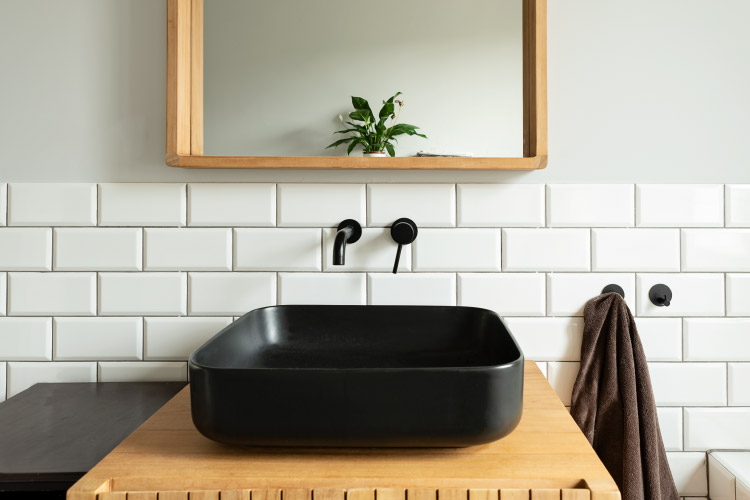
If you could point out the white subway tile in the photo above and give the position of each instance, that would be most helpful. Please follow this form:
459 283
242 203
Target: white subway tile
548 339
680 205
689 473
412 289
670 424
661 338
508 294
636 249
3 217
375 251
689 384
231 204
562 377
138 294
142 371
721 482
227 294
98 249
699 294
3 381
716 250
739 384
177 338
173 249
25 249
717 339
278 249
142 204
98 339
546 250
22 375
54 294
26 339
456 250
3 292
320 204
42 204
500 205
568 293
315 288
738 205
716 428
738 294
429 205
590 205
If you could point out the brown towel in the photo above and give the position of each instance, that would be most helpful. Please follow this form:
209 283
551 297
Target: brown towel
613 403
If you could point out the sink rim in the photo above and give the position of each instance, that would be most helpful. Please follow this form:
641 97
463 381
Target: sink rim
519 359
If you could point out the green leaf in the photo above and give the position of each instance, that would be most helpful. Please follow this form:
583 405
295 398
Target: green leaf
389 148
346 130
351 147
387 110
340 142
361 115
360 103
393 97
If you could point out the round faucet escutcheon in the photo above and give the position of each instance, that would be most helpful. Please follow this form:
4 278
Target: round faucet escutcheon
404 232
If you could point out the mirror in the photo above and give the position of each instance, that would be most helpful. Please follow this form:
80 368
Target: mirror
277 73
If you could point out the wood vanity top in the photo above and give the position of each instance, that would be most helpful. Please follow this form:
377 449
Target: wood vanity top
546 457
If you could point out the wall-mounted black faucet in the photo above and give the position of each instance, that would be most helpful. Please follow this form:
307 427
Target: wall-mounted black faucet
349 231
404 232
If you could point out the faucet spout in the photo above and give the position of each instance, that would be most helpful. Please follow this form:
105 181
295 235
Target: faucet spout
349 231
339 245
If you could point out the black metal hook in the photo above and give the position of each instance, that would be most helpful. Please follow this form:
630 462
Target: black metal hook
660 295
614 288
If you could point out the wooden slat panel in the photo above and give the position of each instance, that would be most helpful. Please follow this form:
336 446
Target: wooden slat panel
173 495
234 495
296 494
266 494
545 494
605 495
480 494
359 494
113 495
513 494
576 494
204 495
327 494
420 494
141 495
454 494
390 494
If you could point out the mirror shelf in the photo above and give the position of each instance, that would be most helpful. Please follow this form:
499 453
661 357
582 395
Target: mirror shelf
185 122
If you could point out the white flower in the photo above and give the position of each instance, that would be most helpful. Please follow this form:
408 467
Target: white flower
341 119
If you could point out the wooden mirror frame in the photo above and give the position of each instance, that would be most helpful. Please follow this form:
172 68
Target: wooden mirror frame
185 105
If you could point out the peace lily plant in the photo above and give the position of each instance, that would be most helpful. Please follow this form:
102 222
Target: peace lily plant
373 135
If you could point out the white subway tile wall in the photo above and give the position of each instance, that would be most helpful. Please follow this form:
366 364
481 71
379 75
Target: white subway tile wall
119 282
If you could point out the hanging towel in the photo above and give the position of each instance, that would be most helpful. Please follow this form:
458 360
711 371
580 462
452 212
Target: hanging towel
613 403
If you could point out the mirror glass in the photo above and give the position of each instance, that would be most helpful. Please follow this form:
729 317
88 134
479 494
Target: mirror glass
277 74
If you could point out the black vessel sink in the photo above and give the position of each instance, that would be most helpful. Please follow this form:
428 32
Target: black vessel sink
365 376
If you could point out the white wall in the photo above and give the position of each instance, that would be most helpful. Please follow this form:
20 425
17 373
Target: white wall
639 91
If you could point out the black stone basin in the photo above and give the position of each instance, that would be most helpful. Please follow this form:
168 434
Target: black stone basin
359 376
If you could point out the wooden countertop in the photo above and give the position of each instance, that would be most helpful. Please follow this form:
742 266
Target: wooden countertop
546 457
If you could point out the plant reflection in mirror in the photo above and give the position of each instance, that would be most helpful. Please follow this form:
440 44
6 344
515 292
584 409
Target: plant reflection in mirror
374 135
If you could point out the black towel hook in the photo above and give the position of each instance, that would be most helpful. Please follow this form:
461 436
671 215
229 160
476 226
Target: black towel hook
660 295
614 288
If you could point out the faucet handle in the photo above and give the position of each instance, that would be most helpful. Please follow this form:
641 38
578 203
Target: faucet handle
404 232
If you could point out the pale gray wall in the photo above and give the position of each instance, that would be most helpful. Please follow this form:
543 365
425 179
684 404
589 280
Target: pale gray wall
639 91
